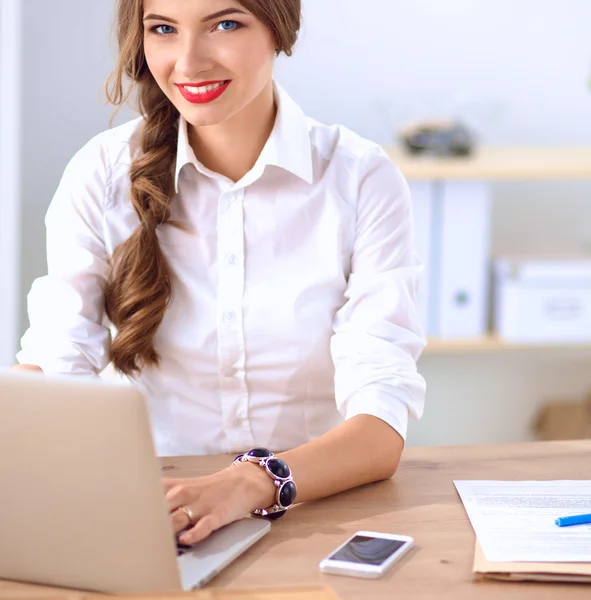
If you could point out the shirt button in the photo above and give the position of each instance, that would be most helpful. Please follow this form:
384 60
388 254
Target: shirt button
230 372
230 317
232 260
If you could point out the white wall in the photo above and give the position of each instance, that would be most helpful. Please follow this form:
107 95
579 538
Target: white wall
10 44
517 70
67 58
479 399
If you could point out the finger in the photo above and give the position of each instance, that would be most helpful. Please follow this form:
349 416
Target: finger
178 497
171 483
181 521
203 528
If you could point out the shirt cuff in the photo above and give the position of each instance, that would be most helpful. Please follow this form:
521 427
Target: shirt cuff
59 358
382 404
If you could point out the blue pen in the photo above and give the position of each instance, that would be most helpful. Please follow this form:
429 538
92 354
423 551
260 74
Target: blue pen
574 520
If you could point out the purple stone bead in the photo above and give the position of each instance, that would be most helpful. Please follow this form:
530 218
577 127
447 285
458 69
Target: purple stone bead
260 453
287 495
278 468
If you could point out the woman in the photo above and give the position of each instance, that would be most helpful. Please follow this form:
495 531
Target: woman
250 269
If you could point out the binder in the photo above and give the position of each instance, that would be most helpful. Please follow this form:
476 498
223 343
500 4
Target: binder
460 265
422 200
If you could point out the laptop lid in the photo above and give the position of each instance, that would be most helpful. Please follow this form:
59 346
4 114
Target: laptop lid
82 503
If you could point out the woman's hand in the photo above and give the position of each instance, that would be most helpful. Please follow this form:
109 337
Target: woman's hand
30 368
217 500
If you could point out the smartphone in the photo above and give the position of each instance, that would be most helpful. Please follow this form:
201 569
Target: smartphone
367 554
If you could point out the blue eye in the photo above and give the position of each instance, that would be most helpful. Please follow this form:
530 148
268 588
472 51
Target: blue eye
163 29
228 25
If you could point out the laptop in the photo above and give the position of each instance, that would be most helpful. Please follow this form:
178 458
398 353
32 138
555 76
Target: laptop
82 502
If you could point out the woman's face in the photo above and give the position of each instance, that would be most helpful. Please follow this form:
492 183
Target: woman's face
211 58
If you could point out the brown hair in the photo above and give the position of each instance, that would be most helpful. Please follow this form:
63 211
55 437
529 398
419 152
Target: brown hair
140 286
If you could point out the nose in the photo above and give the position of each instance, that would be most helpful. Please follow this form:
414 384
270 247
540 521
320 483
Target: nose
196 57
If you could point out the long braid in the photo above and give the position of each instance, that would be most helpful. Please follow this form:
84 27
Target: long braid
140 286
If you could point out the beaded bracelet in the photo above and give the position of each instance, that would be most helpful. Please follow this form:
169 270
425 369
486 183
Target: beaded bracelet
285 487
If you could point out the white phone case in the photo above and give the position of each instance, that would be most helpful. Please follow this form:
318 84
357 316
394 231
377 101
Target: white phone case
365 570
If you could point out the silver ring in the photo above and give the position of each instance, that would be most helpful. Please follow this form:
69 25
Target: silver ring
190 514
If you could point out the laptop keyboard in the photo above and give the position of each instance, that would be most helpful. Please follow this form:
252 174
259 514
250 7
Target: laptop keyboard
182 548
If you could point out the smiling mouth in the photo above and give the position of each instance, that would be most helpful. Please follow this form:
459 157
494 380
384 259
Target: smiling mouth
203 89
204 92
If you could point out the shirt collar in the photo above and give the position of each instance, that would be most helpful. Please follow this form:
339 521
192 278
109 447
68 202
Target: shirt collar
288 147
184 153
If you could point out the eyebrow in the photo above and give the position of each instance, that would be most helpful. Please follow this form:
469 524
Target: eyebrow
216 15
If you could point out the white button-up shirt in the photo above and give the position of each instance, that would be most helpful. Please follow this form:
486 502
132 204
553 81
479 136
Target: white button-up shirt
294 289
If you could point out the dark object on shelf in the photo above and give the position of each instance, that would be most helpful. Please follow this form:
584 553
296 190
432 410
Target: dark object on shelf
564 420
439 138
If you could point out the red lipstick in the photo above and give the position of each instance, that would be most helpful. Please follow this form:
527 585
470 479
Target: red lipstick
206 97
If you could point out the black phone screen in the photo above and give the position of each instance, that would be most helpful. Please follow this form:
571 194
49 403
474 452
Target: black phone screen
364 550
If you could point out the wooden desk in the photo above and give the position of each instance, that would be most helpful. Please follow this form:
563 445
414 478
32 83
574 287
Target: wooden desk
420 501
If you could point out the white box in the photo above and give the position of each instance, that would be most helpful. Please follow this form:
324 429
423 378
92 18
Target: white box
543 301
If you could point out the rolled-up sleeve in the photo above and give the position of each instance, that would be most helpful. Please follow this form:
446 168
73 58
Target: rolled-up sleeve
378 337
66 308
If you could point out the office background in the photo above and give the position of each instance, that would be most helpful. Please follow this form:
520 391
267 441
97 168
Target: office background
517 72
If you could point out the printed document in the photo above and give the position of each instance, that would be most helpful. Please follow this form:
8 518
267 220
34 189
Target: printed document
514 520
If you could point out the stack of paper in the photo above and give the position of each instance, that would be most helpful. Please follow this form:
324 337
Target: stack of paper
515 526
531 571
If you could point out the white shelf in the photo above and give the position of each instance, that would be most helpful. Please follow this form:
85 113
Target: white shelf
493 345
490 163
